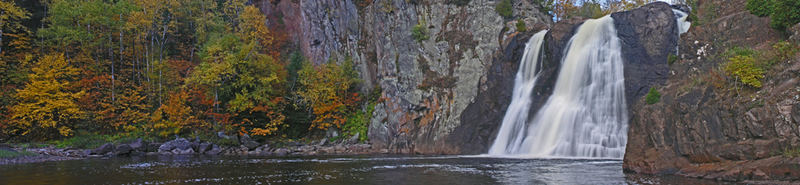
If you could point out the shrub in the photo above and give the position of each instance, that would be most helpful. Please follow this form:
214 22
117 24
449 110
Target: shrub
783 51
420 32
786 14
761 8
504 8
521 27
653 96
783 13
12 154
745 70
82 140
791 152
671 59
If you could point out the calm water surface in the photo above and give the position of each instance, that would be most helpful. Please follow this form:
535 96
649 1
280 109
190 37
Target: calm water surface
327 170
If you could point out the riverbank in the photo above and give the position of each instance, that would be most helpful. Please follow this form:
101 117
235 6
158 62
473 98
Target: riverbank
27 153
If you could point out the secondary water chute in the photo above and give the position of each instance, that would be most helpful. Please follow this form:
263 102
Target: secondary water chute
586 115
510 135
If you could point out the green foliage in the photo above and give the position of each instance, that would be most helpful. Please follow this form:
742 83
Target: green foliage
420 32
13 154
786 14
591 9
521 27
653 96
671 59
783 13
791 152
761 8
83 141
783 51
504 8
745 70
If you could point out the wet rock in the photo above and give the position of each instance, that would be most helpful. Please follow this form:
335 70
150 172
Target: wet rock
123 149
102 150
215 150
138 145
180 143
180 151
202 147
323 141
246 141
281 152
152 147
326 150
352 140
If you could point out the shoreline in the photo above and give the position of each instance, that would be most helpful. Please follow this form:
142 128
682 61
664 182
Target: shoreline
181 146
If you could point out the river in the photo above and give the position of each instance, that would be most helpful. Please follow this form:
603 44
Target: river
381 170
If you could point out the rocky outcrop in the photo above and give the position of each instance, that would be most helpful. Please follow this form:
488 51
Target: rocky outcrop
427 84
648 35
705 126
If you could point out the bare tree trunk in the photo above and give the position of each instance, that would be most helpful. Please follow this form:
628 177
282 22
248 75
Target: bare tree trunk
161 59
1 40
111 54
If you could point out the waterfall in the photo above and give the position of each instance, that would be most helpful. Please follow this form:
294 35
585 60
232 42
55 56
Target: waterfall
510 135
586 115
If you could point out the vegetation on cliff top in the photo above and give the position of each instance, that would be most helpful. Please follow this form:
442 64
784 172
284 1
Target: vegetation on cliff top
783 13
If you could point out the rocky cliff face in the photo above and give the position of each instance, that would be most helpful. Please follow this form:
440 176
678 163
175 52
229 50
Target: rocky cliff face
704 126
427 84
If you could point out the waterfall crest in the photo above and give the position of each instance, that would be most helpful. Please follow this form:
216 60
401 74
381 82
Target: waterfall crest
586 116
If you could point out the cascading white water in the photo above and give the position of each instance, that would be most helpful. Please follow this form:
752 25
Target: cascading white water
586 116
510 135
683 25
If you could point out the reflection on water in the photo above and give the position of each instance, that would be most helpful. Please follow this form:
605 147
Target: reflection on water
327 170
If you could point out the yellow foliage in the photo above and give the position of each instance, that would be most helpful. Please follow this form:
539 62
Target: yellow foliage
325 88
174 116
253 27
45 104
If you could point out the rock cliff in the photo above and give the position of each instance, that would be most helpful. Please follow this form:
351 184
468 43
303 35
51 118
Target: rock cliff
704 126
428 83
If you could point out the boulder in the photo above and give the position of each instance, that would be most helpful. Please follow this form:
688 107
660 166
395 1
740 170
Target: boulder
180 151
281 151
179 143
123 149
152 147
352 140
102 150
138 145
215 150
202 147
246 141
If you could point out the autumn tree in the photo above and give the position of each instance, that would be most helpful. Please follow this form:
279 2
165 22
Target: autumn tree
327 88
244 81
174 117
47 108
15 55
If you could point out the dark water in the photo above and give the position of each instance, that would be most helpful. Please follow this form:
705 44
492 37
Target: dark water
381 170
